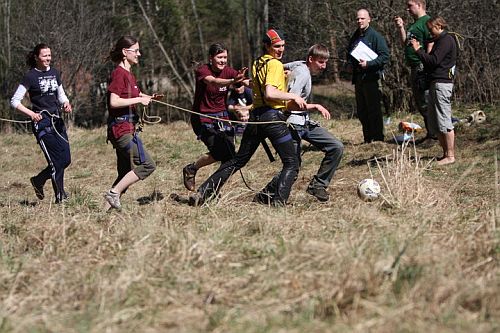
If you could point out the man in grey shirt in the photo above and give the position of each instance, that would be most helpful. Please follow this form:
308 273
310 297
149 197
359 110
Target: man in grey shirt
300 83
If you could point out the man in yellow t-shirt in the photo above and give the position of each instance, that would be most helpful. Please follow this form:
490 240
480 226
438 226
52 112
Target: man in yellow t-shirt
268 70
270 98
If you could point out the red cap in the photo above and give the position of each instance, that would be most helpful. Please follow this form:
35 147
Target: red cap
273 36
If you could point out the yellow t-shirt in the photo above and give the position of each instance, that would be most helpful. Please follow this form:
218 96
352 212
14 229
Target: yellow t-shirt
270 71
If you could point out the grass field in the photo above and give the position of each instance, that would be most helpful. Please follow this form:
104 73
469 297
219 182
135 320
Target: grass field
422 258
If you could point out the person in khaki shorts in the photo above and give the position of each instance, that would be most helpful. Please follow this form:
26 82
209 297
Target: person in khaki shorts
440 66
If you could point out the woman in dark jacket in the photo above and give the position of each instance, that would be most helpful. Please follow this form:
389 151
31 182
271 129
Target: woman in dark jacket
440 66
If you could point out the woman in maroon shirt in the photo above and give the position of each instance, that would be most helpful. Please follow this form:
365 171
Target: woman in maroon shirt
212 82
133 161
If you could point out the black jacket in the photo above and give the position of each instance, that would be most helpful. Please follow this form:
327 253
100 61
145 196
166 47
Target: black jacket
440 62
376 42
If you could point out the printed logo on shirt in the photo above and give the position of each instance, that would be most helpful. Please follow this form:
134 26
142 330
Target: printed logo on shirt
223 88
242 101
48 85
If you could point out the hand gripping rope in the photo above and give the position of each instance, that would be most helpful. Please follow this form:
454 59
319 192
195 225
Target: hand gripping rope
51 116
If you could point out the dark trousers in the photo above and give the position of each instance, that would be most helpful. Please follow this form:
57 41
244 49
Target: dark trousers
333 149
220 143
369 109
58 156
321 139
280 137
420 90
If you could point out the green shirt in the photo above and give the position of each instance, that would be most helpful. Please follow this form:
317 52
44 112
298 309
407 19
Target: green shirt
422 34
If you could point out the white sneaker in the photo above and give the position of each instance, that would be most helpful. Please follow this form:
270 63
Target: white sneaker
113 199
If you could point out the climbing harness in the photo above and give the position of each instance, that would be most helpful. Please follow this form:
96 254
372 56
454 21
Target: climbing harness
52 126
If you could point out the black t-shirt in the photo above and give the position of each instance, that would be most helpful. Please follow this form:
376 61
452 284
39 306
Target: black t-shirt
42 89
243 99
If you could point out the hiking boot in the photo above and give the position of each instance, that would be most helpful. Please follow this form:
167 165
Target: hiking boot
189 174
319 192
195 200
113 199
38 188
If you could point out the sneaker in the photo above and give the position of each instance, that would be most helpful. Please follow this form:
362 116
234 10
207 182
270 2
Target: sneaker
189 174
38 189
319 192
113 199
195 200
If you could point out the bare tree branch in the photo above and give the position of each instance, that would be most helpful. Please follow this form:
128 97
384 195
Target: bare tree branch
181 81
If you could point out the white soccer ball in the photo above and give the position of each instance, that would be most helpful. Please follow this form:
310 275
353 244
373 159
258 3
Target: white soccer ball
368 189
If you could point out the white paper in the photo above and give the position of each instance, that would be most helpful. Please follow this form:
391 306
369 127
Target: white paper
363 52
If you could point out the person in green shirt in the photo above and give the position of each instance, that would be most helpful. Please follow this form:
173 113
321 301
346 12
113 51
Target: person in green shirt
419 31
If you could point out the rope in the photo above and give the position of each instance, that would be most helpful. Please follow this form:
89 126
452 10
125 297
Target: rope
220 119
231 122
147 119
52 116
16 121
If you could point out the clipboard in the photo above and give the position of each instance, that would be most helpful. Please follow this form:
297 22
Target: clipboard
363 52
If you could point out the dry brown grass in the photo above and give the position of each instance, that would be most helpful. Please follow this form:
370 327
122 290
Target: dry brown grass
422 258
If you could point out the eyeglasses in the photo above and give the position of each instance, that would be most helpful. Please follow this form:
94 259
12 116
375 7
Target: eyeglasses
133 50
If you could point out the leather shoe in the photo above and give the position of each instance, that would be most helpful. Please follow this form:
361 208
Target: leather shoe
262 198
38 188
195 200
188 175
319 192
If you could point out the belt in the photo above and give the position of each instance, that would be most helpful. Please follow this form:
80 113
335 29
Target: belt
263 109
117 120
218 125
221 114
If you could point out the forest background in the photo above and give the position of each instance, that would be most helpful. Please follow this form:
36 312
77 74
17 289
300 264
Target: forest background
422 258
175 34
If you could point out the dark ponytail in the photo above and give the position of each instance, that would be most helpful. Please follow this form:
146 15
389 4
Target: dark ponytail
31 56
125 42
